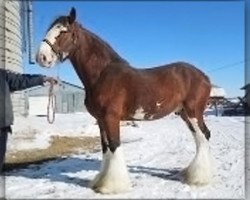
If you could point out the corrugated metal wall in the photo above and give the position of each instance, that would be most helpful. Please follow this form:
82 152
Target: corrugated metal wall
70 102
69 98
11 45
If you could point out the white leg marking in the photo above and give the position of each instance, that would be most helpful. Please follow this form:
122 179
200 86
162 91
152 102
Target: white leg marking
113 176
199 172
139 114
102 169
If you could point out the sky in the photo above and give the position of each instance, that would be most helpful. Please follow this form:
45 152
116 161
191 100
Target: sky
207 34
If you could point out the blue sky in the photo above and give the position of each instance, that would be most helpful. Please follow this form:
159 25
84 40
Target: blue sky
208 34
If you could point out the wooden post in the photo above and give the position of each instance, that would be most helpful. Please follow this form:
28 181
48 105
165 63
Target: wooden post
216 108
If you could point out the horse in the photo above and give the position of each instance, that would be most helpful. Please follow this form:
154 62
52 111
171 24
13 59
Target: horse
116 91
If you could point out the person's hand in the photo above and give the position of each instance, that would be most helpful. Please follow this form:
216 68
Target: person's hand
50 80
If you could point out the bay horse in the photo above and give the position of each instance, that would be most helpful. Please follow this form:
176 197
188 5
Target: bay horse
116 91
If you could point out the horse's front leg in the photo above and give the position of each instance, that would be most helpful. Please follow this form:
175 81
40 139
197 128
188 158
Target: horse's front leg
113 176
104 144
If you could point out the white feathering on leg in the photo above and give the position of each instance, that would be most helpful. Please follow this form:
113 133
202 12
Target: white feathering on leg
113 177
102 169
199 172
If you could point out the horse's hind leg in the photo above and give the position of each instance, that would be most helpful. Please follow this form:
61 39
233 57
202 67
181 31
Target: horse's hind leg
203 126
113 177
199 111
201 123
199 171
185 118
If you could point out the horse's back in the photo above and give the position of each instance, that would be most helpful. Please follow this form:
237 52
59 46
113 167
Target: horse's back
192 82
180 69
177 76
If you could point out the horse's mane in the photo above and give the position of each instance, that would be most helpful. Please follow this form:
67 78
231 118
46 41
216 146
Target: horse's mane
59 20
116 56
64 20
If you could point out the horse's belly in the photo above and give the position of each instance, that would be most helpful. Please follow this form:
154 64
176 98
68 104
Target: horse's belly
147 117
152 114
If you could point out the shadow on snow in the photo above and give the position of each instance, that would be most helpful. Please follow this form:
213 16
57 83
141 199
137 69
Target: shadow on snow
56 170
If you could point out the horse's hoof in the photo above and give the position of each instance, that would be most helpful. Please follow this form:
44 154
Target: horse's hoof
111 189
197 179
109 186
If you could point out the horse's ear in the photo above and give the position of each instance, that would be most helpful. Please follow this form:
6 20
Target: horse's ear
72 15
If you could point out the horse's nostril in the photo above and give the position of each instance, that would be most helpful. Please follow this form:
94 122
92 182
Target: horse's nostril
44 58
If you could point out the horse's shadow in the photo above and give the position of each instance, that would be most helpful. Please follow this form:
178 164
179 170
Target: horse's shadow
175 174
58 170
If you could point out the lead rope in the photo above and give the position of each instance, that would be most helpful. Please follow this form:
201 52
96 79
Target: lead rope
51 104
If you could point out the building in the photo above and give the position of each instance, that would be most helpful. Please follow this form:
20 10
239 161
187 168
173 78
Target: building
217 92
217 97
14 25
68 98
247 93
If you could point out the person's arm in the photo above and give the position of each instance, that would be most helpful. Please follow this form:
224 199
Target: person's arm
23 81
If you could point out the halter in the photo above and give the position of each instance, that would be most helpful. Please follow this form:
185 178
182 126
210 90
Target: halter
58 53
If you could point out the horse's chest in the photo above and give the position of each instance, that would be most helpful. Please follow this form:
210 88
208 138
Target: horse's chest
97 103
91 106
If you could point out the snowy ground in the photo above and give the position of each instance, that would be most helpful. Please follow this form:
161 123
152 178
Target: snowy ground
155 151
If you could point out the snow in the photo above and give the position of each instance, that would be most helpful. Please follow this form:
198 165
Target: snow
155 152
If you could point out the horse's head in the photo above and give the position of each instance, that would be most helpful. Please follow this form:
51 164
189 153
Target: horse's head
59 41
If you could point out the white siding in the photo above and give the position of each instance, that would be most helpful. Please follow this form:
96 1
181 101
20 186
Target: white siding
11 45
13 37
1 33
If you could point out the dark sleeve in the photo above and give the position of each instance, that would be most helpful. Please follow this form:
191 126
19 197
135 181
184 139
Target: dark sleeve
23 81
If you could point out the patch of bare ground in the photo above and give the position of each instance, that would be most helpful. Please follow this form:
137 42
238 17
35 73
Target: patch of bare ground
60 147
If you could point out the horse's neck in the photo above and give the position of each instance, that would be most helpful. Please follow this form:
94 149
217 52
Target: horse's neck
92 57
88 70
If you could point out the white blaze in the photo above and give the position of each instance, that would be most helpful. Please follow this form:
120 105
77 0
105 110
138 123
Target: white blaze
54 32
